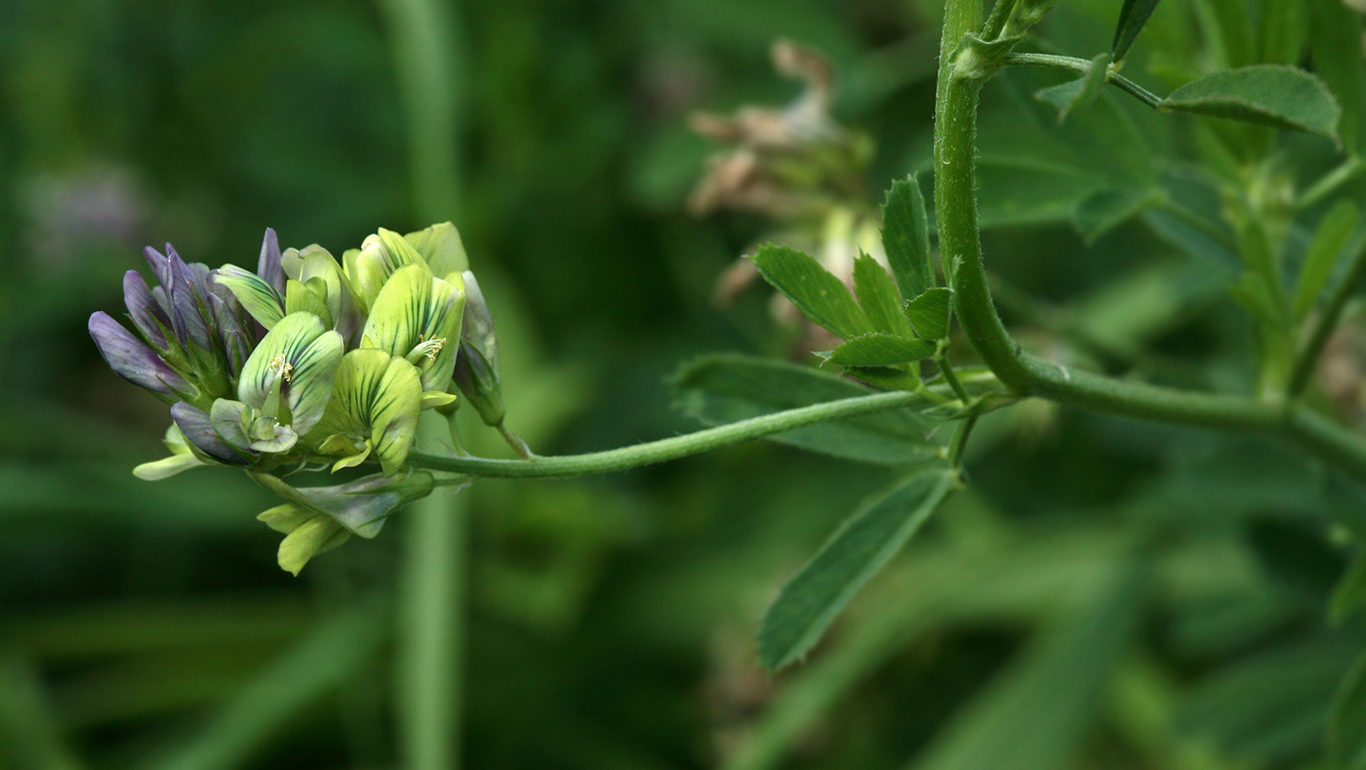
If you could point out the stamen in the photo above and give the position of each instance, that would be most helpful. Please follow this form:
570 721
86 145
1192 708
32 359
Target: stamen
281 367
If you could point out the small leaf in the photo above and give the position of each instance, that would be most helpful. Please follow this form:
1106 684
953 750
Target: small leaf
1107 209
881 350
1076 96
723 389
906 236
1330 240
1267 94
854 553
1132 17
1335 43
1347 721
929 313
821 296
878 298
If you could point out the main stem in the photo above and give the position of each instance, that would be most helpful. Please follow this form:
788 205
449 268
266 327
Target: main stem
1026 375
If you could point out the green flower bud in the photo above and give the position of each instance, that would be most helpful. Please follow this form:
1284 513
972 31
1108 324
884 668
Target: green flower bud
476 363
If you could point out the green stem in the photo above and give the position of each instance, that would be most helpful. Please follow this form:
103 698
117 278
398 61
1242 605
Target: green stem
1327 323
960 440
1330 183
629 457
1082 65
1026 375
952 379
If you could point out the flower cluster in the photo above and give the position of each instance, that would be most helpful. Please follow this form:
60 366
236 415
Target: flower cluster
309 360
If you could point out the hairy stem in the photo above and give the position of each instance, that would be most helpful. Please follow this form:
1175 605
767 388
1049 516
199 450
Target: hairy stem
1082 65
1027 375
629 457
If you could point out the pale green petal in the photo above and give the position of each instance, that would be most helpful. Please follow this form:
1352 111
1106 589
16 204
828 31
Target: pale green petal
259 298
298 360
286 518
435 398
366 270
360 506
317 535
415 308
167 467
301 299
441 247
292 262
272 437
227 418
394 413
398 251
310 387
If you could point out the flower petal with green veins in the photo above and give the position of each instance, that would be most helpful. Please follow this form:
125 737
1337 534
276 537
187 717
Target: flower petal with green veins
399 253
297 361
378 398
441 247
360 506
226 416
301 299
415 309
259 298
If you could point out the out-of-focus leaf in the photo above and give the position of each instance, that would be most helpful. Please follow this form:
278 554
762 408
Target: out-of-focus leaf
813 289
1107 209
881 350
1133 15
31 733
1035 715
1335 44
1349 593
318 664
1347 721
812 599
1271 707
878 298
1328 244
1077 95
723 389
906 236
1266 94
1282 27
1226 26
929 313
1022 191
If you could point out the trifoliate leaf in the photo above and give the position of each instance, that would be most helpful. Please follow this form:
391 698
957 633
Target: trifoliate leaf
820 296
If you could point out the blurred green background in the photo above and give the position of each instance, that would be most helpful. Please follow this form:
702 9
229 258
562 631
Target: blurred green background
1106 595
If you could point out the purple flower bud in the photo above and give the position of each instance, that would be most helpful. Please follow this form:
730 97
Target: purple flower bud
186 294
161 269
231 330
268 267
198 430
133 360
149 317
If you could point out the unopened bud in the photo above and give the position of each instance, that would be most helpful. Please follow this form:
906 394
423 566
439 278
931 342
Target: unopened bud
476 364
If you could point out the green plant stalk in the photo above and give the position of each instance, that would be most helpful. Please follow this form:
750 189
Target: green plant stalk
426 43
1082 65
1027 375
1327 322
663 450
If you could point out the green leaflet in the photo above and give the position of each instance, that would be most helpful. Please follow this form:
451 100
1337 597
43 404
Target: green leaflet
375 405
289 375
1077 95
1330 240
258 297
1267 94
417 317
814 290
723 389
881 350
878 298
906 236
928 313
859 548
1133 16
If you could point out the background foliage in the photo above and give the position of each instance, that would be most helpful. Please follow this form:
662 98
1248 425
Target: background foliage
1107 593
